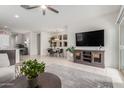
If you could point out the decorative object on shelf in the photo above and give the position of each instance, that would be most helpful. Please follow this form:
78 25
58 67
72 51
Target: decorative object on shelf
51 41
31 69
70 52
60 39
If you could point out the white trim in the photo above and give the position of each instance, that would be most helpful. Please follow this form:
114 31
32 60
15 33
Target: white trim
119 21
119 49
120 16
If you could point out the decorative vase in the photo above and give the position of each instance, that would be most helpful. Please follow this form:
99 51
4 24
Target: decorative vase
33 83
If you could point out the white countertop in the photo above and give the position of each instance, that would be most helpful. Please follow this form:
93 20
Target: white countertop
9 49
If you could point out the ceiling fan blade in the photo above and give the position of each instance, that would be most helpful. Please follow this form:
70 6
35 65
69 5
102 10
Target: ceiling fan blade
29 7
44 11
52 9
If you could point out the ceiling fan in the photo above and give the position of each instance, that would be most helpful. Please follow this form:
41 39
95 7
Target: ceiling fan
43 7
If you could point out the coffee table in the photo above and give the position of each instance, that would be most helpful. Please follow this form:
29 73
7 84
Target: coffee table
45 80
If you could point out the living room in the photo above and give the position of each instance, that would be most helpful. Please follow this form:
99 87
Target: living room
26 32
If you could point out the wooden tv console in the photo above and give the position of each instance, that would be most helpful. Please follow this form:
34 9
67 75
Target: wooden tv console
90 57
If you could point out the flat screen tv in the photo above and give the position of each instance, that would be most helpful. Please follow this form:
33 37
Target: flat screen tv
92 38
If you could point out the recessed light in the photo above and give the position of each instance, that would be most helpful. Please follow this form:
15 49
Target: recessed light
16 16
5 26
43 7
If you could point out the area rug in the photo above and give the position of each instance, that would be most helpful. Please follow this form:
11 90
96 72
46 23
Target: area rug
75 78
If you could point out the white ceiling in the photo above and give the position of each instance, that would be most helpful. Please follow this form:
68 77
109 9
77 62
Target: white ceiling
33 20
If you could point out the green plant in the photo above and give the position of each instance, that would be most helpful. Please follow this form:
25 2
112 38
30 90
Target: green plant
70 49
32 68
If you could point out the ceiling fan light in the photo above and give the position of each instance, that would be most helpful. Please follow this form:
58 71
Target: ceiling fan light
16 16
43 7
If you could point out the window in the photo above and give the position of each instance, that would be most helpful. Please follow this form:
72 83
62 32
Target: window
4 40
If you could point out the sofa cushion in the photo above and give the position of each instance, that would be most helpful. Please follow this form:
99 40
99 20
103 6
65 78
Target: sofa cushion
7 74
4 60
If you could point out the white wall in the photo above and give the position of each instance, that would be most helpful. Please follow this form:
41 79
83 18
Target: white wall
44 43
19 38
12 41
106 22
33 43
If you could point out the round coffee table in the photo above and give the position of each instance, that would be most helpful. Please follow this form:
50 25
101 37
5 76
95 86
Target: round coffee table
45 80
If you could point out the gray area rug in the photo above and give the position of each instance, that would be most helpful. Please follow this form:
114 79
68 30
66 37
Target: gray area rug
74 78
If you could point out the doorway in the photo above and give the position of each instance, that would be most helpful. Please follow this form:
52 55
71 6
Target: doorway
38 43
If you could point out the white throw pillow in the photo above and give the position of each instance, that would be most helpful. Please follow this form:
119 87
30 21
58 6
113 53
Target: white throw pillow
4 60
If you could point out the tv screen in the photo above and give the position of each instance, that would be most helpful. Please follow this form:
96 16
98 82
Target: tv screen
92 38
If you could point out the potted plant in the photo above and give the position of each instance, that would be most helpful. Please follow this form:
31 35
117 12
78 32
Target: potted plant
31 69
70 52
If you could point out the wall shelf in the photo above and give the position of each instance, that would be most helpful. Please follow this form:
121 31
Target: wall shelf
61 40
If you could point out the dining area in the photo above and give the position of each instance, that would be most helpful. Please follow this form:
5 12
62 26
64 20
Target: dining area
58 43
55 52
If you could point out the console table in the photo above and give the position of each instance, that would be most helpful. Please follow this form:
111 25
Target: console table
89 57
